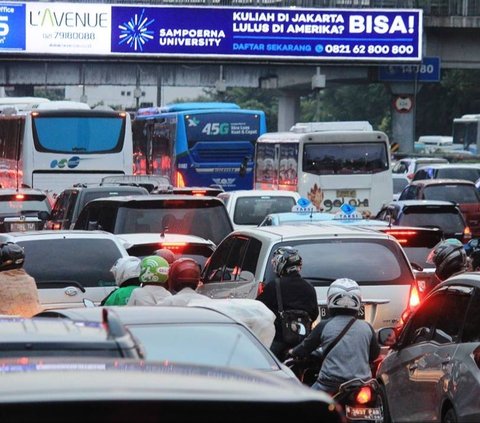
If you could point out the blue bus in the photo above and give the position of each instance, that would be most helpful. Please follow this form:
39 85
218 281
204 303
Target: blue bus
198 144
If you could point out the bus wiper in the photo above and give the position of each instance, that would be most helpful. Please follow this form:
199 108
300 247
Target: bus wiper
78 149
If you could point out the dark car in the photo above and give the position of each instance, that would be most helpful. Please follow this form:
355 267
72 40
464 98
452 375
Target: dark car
205 217
444 215
23 209
462 192
71 201
432 372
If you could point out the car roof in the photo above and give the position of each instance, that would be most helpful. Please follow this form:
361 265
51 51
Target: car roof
442 181
155 197
57 234
149 238
146 314
260 193
107 188
453 165
12 191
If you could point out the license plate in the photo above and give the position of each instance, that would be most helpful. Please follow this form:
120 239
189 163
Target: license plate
346 193
22 226
354 413
324 314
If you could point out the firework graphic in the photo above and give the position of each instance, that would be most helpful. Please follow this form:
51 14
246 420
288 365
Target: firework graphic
135 32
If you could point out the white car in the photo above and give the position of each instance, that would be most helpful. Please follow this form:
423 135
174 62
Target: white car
69 266
248 208
242 263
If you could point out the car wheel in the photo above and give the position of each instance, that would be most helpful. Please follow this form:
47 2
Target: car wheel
384 404
450 416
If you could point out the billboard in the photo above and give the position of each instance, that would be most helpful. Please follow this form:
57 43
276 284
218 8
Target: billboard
369 35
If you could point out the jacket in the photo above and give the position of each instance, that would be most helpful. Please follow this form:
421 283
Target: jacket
148 295
119 296
18 293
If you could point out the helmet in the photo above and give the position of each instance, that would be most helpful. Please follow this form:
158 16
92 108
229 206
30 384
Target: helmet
449 257
184 272
12 256
126 268
153 269
344 294
166 254
286 260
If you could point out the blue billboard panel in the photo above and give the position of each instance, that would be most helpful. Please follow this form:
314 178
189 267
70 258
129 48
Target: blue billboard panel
12 26
385 35
427 71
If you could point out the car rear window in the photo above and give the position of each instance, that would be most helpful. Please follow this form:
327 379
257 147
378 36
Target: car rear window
252 210
369 262
455 173
15 204
459 193
447 219
399 184
86 261
206 219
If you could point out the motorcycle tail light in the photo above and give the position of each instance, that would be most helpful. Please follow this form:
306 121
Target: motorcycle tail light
364 395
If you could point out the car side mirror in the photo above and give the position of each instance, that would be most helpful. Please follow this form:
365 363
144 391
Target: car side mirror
387 337
88 303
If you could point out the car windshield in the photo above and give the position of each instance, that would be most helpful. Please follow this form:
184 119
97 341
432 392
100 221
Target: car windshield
369 262
252 210
86 261
459 193
206 343
18 203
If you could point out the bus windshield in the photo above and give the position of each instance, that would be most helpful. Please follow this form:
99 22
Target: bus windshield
354 158
78 134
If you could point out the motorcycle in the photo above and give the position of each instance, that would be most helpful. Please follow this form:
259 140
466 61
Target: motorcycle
360 400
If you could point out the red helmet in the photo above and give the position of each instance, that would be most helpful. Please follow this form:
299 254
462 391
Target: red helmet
184 272
166 254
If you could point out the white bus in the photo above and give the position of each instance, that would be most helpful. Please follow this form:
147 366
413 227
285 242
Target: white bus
466 133
57 144
329 168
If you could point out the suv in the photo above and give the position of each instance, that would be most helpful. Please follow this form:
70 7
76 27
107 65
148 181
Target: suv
71 201
205 217
468 171
242 263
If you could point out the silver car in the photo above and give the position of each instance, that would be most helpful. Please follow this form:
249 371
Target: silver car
432 372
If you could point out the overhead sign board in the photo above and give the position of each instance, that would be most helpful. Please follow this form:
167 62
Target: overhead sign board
368 35
427 71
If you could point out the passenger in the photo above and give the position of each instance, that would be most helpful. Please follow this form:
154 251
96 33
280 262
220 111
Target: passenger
18 290
297 293
355 350
449 257
183 279
166 254
153 278
126 271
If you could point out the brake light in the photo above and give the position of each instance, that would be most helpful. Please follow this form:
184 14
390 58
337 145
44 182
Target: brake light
56 226
414 299
179 180
19 197
364 395
174 247
467 234
198 193
402 236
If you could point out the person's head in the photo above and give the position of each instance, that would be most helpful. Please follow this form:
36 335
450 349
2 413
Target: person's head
153 270
286 260
184 273
126 271
166 254
449 257
344 297
12 256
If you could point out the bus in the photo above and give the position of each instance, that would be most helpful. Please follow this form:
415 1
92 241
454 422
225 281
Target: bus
198 144
55 145
329 168
466 133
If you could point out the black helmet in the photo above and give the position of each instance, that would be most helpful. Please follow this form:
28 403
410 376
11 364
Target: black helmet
286 260
449 257
184 272
12 256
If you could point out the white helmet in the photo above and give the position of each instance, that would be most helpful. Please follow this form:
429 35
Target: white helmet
344 294
126 268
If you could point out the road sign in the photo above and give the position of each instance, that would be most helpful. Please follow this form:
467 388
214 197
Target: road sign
427 71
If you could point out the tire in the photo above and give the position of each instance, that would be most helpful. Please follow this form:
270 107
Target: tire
384 403
450 416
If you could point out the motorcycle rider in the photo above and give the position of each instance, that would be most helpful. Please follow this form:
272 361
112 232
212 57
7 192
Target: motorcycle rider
126 271
355 352
18 290
153 278
297 293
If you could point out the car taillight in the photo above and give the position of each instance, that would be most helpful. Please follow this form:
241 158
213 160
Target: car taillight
414 297
476 356
179 179
19 197
261 287
467 235
364 396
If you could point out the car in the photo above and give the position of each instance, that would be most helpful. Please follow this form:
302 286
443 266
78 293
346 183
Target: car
444 215
69 265
189 334
23 209
120 390
71 201
145 244
462 192
468 171
43 337
248 208
432 371
206 217
407 166
241 264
